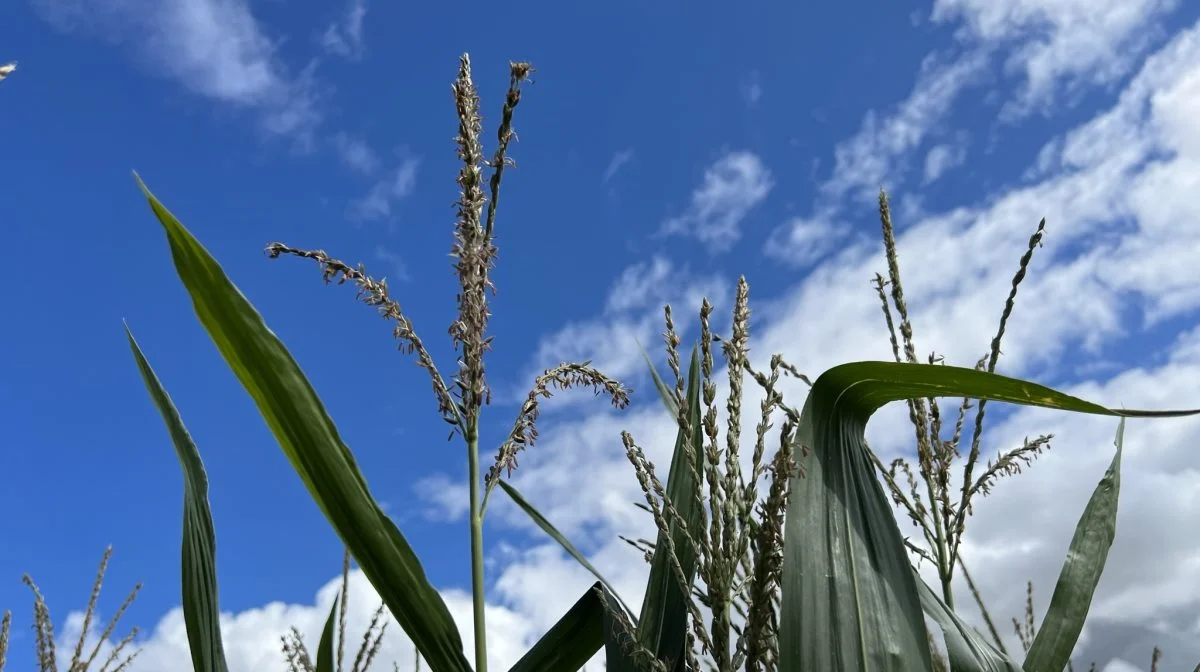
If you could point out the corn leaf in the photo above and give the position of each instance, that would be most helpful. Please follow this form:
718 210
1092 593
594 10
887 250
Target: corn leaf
1052 647
559 537
573 640
968 650
662 627
325 646
849 596
308 437
201 613
667 394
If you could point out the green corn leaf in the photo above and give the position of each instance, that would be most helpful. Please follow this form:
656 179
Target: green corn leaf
559 537
619 643
666 393
1056 639
849 598
325 646
308 437
968 650
662 627
201 613
573 640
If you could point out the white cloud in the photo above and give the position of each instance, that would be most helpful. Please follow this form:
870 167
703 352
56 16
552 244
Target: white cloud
355 153
448 498
395 186
633 313
732 187
802 241
944 157
1059 44
344 37
213 48
618 160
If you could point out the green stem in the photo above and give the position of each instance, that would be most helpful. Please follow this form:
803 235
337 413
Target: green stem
477 585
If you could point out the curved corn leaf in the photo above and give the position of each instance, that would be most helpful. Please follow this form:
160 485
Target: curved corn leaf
311 442
968 650
849 598
662 627
573 640
562 540
325 646
1056 639
201 613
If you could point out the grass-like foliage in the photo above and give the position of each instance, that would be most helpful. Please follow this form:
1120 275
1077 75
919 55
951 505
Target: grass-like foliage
776 551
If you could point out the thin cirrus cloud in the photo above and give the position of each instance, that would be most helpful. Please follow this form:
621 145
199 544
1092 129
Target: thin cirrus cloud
731 188
617 162
379 201
344 37
213 48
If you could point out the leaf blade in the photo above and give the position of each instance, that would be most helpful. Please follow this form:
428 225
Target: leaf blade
849 598
552 532
201 610
1086 557
572 641
662 626
311 442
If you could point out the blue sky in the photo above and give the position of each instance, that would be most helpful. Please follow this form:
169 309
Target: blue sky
662 153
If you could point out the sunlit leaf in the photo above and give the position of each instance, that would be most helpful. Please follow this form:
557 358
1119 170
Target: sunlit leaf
309 439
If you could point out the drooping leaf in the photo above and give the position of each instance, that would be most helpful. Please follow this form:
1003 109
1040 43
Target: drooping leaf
573 640
201 613
325 646
559 537
1086 556
849 599
309 439
662 627
968 650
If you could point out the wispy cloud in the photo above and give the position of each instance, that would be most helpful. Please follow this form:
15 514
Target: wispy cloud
1059 45
731 188
752 89
395 263
618 160
213 48
944 157
393 187
355 153
344 37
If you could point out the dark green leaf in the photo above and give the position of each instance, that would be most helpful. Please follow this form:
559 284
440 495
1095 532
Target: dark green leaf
967 649
1086 556
201 613
573 640
562 540
311 442
849 598
662 627
325 646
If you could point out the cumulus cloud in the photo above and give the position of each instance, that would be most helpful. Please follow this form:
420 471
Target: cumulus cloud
732 187
214 48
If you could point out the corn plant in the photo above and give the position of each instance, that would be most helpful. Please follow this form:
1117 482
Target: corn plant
46 648
817 577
